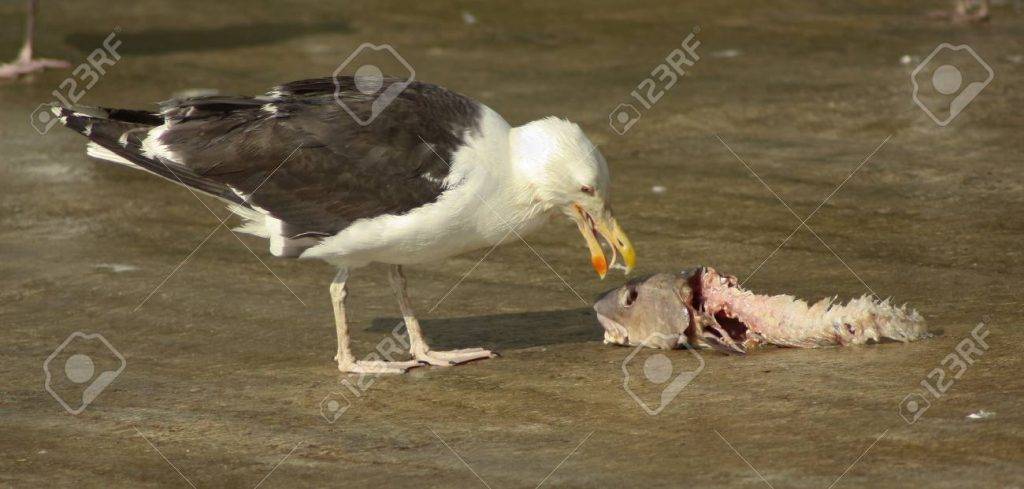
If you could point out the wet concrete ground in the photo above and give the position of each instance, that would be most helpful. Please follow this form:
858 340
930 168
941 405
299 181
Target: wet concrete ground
228 371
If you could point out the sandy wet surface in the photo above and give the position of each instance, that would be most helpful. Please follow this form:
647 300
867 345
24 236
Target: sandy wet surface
227 368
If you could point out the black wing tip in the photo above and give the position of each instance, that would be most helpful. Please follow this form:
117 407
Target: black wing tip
66 114
71 117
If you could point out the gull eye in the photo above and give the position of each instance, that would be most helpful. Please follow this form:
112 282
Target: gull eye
629 296
587 189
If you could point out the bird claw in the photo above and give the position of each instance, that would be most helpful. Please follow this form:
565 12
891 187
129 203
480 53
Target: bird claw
427 357
26 66
452 357
376 367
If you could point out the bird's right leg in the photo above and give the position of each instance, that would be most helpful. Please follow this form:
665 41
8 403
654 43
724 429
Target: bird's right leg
417 344
25 63
346 361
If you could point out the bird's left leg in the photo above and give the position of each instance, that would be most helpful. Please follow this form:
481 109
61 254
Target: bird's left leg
25 63
347 363
417 344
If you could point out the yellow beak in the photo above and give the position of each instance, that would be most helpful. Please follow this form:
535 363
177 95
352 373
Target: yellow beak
605 226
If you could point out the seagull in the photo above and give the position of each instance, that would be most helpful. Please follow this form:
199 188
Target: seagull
359 170
25 63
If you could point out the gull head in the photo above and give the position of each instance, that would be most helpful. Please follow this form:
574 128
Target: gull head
568 173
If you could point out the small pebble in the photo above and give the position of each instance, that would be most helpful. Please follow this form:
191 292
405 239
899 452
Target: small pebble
468 18
983 414
726 53
658 189
117 267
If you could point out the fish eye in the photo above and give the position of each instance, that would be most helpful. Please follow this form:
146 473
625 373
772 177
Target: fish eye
587 189
629 296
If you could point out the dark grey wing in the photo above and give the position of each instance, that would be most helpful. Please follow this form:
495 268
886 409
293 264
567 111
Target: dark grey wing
300 156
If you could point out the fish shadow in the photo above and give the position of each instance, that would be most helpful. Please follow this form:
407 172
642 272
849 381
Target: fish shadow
163 41
504 331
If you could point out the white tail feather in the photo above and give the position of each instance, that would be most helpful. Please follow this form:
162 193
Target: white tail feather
99 152
254 222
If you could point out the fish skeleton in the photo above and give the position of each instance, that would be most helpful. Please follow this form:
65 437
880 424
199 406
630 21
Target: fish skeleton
701 307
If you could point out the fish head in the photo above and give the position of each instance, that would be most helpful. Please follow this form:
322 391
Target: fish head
647 310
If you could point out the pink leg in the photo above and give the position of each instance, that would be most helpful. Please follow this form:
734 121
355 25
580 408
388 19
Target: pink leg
418 344
962 12
24 63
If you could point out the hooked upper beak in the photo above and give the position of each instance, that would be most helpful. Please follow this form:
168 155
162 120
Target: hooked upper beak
605 226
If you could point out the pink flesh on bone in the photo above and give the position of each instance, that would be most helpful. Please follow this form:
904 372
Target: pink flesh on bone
787 321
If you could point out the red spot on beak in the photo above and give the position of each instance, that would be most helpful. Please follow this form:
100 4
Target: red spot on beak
600 265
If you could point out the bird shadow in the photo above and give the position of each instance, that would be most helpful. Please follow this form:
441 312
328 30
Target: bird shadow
163 41
505 331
